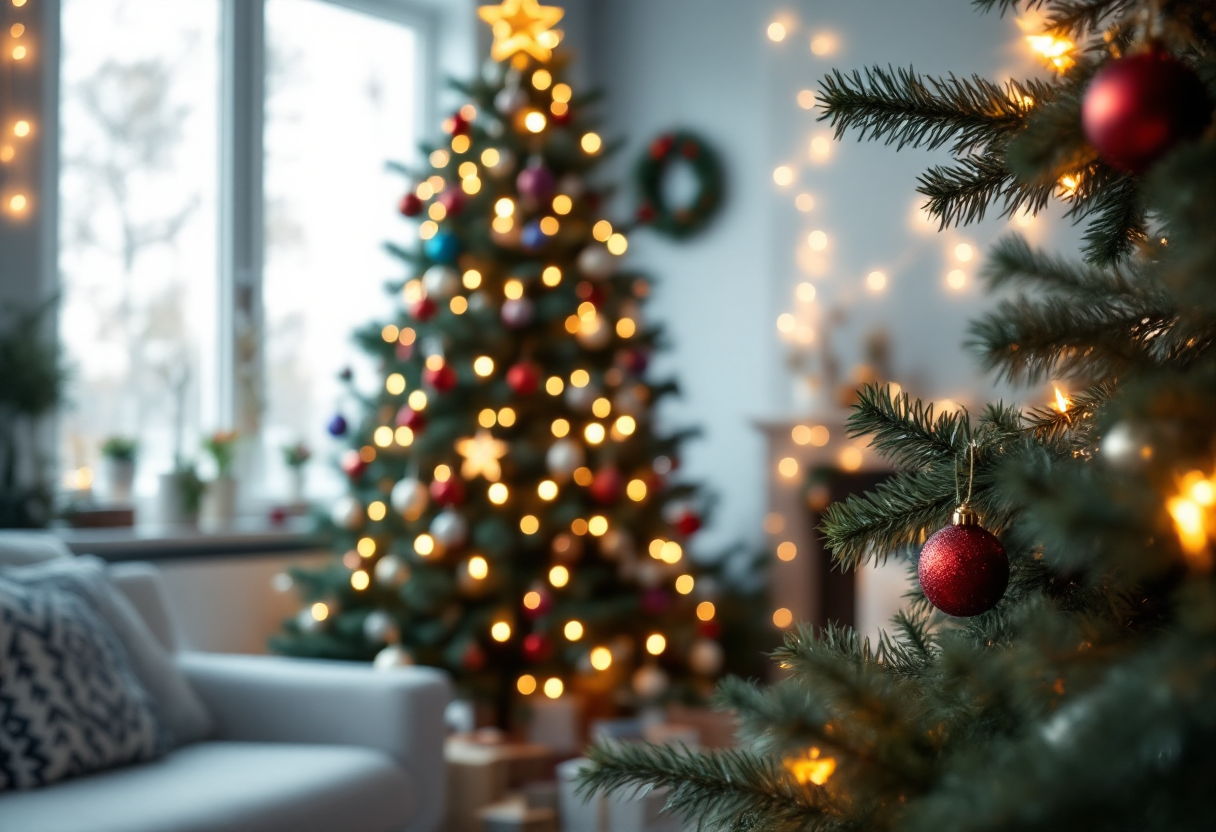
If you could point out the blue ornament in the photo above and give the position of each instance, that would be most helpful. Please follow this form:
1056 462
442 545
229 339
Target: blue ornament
532 238
442 248
337 425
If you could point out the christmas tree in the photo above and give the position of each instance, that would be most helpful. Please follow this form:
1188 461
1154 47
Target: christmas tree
513 515
1055 666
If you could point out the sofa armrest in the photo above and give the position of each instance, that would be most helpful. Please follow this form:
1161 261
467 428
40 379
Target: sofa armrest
277 699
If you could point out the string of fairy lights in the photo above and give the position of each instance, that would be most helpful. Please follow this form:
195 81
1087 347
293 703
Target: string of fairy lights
799 326
16 125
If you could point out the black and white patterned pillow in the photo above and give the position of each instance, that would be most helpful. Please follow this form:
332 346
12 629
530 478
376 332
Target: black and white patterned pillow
69 702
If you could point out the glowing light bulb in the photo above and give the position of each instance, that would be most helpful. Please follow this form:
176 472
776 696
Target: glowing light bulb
498 493
478 568
963 252
594 433
554 688
625 425
851 459
783 175
535 121
776 32
500 631
636 490
817 240
804 202
655 644
876 281
483 366
21 129
547 490
320 611
376 511
529 524
782 618
573 630
541 79
366 547
532 600
788 467
617 244
706 611
806 99
787 551
526 684
685 584
601 658
591 143
562 204
360 580
551 276
956 279
424 545
559 576
562 93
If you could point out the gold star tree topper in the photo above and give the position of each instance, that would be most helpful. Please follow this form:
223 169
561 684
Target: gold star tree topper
481 454
522 26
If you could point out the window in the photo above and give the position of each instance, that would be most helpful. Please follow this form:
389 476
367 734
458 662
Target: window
148 303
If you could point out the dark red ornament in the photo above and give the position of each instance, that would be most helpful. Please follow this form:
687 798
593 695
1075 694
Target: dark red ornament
441 379
645 213
563 118
963 568
524 378
452 200
633 361
458 125
688 523
352 464
607 485
655 601
661 146
474 657
542 607
415 420
424 309
710 629
411 205
449 492
537 647
1137 108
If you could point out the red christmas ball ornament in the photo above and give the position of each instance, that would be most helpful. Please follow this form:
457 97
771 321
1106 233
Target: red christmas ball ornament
607 485
449 492
457 125
441 379
1136 108
537 647
661 146
524 378
424 309
474 657
415 420
710 629
963 568
688 523
452 200
352 464
543 603
645 213
410 205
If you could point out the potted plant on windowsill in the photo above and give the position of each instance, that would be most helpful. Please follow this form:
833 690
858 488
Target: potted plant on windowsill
118 455
219 503
296 457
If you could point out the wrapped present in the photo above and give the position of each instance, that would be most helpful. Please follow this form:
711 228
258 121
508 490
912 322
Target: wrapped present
715 728
556 723
625 810
482 772
515 815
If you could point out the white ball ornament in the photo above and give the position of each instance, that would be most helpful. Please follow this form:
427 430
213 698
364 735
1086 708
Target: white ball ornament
627 401
449 529
347 513
510 100
409 496
282 582
649 682
307 622
517 312
564 457
1125 446
706 657
582 398
572 185
393 656
391 572
380 628
441 282
596 262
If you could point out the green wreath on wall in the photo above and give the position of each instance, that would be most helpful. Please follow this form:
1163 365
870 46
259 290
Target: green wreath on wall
654 210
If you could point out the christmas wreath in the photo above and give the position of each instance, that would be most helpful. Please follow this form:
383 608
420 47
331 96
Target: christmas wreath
671 149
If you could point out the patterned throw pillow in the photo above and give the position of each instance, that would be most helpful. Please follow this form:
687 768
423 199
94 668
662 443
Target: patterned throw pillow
69 702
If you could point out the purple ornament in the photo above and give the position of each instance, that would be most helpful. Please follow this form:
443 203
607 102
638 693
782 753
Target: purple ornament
518 312
655 601
337 425
536 182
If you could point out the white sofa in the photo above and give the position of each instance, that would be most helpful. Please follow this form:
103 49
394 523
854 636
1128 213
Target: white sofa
298 746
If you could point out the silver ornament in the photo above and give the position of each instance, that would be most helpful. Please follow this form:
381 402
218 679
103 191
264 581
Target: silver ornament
409 497
307 622
282 582
1125 446
582 398
441 282
510 100
347 513
391 572
649 682
596 262
563 458
628 401
517 312
449 529
706 657
392 657
380 628
572 185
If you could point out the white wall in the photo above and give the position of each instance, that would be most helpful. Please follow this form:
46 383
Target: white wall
708 65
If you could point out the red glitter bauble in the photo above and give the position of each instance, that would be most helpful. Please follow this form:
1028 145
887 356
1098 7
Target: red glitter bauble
415 420
411 205
449 492
537 647
441 379
352 464
661 146
607 485
963 569
457 125
524 378
1137 108
689 522
424 310
452 200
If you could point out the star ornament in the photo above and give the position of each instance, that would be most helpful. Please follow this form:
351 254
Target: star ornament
522 26
481 454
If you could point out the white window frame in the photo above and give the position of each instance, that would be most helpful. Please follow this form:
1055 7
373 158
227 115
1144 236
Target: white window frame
447 39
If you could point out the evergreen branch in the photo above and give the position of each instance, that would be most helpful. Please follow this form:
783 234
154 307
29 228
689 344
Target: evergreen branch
722 789
1065 17
771 719
903 108
1013 262
897 513
911 650
961 194
1050 425
905 432
1119 225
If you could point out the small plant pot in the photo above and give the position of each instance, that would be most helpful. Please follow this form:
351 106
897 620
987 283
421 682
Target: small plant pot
219 503
173 500
295 485
119 479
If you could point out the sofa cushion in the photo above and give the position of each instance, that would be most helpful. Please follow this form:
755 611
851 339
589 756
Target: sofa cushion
20 548
178 708
69 701
228 786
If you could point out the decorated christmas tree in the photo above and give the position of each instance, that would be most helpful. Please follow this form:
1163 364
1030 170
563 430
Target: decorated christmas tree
1055 666
513 514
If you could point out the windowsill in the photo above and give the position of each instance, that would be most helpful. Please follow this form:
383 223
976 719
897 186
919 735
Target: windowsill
246 538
